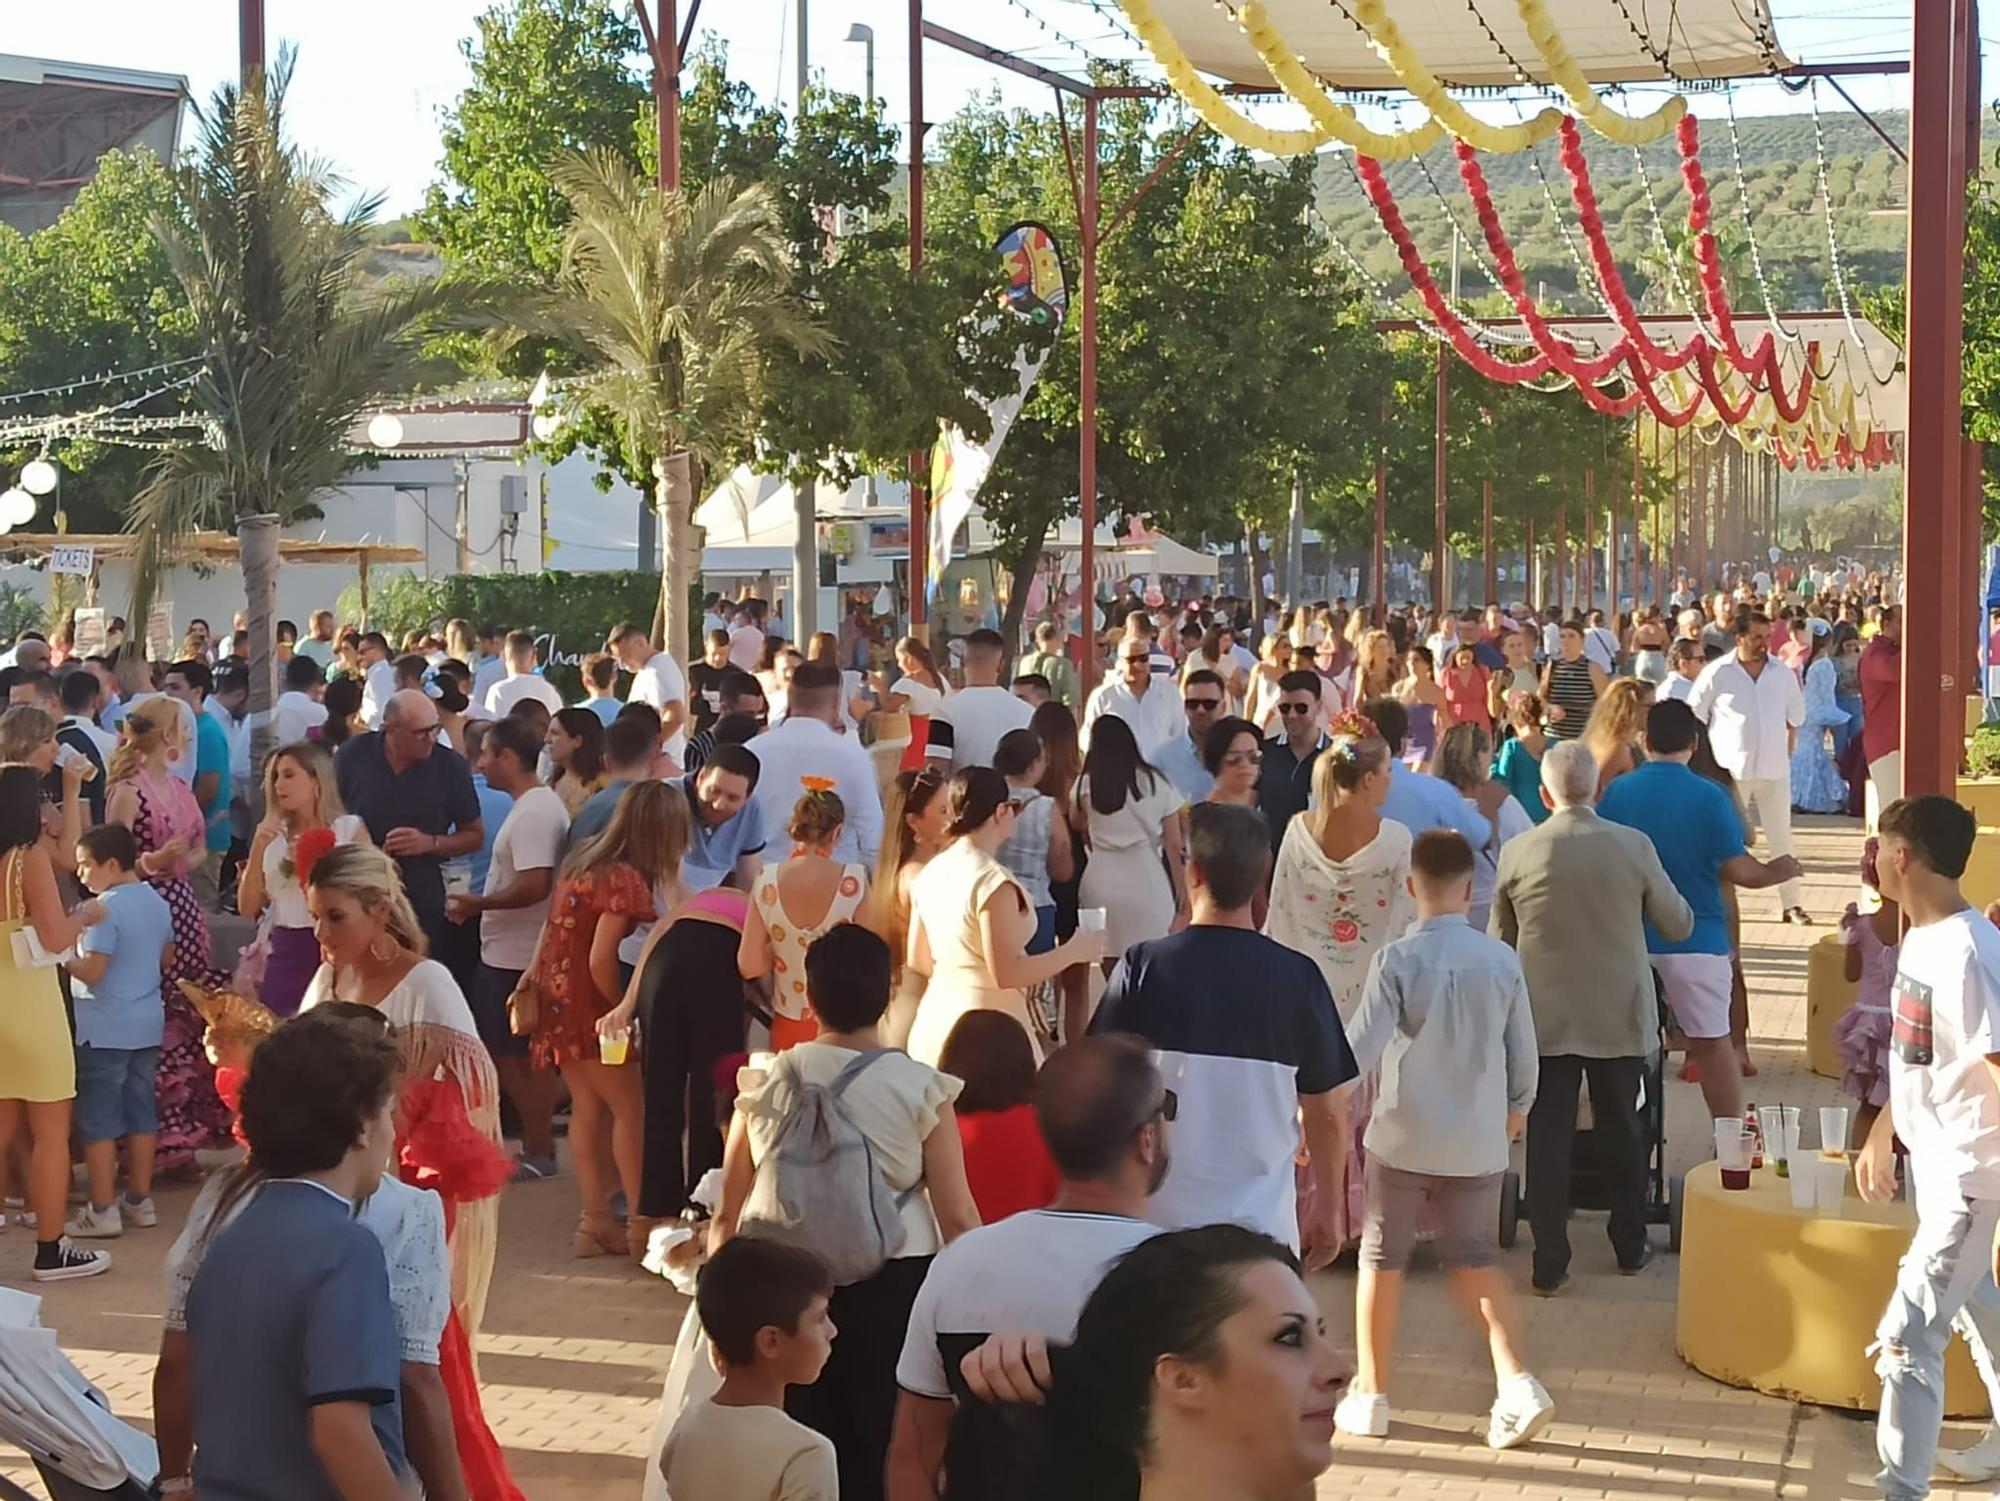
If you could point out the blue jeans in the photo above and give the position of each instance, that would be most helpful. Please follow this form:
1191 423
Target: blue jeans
1944 1281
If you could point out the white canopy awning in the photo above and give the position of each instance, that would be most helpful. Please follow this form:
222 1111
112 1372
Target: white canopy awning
1701 39
1117 557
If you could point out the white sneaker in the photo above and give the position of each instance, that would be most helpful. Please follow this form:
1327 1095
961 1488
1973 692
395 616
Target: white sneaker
1980 1462
139 1213
1362 1414
92 1223
1521 1410
70 1262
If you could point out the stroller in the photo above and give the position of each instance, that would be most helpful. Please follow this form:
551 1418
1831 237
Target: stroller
65 1425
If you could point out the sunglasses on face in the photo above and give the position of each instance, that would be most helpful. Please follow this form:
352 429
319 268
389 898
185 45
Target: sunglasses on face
1295 708
1204 703
1244 758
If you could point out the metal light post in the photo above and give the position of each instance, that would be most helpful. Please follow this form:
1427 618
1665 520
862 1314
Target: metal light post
865 35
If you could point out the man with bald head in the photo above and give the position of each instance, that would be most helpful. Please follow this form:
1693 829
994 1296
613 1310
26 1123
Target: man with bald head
1104 1111
417 799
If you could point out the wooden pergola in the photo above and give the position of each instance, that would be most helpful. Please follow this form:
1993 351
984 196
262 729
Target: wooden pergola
214 548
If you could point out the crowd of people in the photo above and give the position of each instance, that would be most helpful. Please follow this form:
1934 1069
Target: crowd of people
905 985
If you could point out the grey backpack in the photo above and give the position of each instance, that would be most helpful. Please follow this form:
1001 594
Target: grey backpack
819 1185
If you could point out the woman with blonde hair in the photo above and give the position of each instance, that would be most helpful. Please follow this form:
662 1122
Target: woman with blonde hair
167 823
918 690
448 1109
569 998
1375 667
28 738
1616 729
1260 699
303 820
794 902
913 831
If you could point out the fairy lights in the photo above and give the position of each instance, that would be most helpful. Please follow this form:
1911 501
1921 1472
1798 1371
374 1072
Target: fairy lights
87 382
1833 246
1573 81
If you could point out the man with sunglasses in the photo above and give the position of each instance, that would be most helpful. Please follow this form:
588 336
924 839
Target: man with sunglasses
1104 1112
1204 700
1144 700
1284 784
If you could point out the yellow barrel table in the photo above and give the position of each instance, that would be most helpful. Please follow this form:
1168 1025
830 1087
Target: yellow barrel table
1981 881
1786 1301
1982 796
1829 994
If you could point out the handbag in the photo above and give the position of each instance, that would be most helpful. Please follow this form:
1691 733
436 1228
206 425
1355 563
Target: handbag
524 1008
29 951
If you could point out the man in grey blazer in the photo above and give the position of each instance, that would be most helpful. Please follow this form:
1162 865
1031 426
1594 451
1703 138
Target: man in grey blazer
1573 897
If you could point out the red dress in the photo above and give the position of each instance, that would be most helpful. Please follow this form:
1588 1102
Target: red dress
1465 692
1007 1164
567 1028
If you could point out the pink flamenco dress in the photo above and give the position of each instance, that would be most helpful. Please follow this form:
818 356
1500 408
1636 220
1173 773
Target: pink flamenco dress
1861 1037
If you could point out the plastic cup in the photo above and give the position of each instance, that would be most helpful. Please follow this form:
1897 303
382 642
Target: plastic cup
1771 1121
1732 1152
1090 919
1802 1187
613 1048
1829 1183
1833 1128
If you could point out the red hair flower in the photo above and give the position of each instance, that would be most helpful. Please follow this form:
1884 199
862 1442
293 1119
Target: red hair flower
307 849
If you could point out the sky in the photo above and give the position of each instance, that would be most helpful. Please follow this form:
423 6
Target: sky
374 77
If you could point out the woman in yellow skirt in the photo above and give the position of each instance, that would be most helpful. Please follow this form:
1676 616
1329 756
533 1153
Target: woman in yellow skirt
37 1057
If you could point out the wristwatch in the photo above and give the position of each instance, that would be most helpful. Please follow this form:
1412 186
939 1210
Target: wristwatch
174 1485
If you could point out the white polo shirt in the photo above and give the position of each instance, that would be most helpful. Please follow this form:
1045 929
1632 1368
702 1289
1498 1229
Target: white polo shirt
1748 718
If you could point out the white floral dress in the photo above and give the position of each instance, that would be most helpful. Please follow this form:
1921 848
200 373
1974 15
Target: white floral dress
1339 914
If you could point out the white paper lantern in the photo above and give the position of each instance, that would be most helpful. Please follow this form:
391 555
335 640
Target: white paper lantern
545 425
39 476
385 430
17 507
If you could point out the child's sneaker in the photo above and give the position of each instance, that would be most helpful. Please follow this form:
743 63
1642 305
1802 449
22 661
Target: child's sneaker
92 1223
139 1213
1520 1412
59 1261
1362 1414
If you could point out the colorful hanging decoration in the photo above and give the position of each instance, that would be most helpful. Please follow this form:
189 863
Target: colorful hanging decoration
1373 17
1337 120
1202 97
1571 79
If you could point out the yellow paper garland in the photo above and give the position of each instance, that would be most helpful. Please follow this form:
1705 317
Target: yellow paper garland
1336 119
1594 112
1387 37
1206 102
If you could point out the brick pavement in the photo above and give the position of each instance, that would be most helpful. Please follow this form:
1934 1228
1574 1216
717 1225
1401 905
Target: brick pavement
574 1352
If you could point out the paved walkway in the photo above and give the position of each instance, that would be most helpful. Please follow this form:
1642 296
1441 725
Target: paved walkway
574 1351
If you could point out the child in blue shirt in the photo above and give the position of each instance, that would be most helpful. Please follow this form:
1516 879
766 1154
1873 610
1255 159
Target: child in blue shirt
120 1018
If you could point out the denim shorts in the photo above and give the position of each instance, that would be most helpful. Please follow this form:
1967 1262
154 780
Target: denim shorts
114 1092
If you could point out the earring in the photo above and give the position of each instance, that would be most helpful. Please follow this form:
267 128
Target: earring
376 952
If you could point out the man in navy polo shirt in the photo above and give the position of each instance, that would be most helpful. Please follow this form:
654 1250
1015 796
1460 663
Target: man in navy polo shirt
726 830
1698 835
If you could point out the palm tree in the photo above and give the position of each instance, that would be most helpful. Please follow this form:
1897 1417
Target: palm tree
673 303
294 351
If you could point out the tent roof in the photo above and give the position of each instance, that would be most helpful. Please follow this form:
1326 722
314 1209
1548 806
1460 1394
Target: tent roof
1701 39
61 117
209 547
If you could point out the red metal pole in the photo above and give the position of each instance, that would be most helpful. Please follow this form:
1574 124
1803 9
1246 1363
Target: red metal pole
1638 527
1972 586
1531 581
1659 539
667 92
920 518
1492 578
1935 278
1562 558
1587 590
1611 559
1086 446
249 39
1440 594
1379 582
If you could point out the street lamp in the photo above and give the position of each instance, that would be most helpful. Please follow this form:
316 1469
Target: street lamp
865 35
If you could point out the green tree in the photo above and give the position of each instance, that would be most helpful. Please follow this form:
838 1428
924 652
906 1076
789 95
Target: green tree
292 355
673 304
91 293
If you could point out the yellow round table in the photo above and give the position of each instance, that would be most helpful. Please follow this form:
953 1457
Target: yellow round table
1786 1301
1829 993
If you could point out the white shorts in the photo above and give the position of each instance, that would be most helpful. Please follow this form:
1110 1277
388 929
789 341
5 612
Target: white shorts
1698 988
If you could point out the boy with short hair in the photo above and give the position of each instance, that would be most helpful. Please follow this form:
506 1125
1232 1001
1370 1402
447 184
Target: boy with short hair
1037 850
763 1305
1445 1012
120 1022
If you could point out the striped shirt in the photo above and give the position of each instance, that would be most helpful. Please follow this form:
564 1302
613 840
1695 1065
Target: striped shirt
1571 687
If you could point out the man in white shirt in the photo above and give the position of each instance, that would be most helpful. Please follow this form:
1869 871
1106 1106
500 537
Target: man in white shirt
808 744
522 680
1104 1113
1944 1105
1147 703
1599 645
299 711
1443 641
487 668
511 912
966 727
1685 661
657 680
378 678
746 637
1753 707
711 616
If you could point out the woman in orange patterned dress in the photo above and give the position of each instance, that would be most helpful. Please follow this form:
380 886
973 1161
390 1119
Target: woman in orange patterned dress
610 885
792 904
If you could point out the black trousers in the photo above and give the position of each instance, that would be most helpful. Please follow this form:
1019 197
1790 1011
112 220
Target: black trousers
1621 1146
854 1401
690 1017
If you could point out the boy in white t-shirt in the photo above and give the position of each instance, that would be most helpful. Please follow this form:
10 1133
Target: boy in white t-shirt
1944 1103
763 1306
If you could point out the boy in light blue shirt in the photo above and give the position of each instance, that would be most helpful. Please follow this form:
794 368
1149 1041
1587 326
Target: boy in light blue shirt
120 1021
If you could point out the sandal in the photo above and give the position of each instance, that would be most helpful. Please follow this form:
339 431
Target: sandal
532 1170
1799 917
597 1234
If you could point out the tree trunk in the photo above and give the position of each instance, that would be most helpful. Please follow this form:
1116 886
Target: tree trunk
1256 590
675 482
257 552
1022 570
